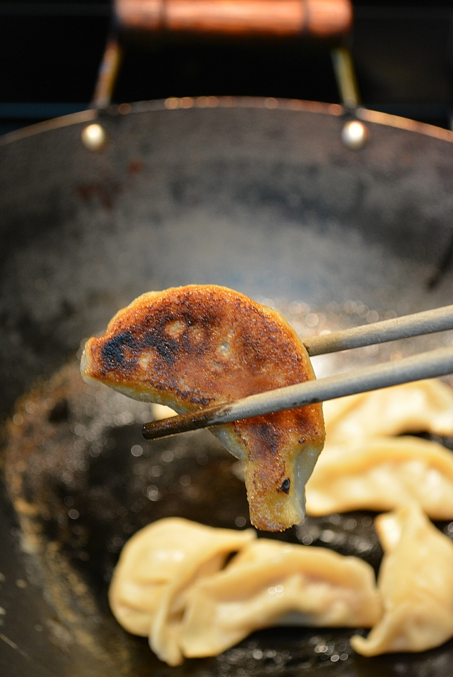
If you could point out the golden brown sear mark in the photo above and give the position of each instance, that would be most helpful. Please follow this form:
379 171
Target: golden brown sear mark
188 347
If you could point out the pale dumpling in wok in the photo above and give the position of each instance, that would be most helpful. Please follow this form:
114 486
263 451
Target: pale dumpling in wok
271 582
423 406
156 568
381 473
416 584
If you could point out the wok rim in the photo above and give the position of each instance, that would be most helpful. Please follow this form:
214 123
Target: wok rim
238 102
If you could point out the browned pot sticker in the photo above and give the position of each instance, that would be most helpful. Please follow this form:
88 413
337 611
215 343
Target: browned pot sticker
199 345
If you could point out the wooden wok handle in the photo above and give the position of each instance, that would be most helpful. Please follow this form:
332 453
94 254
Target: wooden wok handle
317 18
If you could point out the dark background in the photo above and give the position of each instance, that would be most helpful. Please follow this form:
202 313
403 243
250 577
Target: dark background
50 53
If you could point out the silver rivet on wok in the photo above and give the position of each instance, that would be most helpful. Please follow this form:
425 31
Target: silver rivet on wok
354 134
94 136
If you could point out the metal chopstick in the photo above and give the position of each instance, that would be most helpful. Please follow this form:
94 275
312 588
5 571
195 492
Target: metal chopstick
426 365
426 322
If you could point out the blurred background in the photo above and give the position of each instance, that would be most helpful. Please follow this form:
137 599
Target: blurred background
50 53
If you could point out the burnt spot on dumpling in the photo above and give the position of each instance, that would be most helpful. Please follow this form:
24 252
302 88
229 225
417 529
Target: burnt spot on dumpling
119 351
286 484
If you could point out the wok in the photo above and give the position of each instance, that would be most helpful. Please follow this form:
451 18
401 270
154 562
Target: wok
258 195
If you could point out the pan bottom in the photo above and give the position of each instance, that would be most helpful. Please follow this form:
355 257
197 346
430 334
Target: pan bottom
82 481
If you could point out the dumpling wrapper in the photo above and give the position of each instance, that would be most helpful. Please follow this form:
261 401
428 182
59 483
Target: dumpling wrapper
271 583
381 474
156 568
200 345
423 406
416 584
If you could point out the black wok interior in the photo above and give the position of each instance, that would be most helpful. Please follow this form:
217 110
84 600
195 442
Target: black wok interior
266 201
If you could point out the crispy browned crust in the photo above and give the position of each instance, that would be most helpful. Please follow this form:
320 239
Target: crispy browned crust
192 346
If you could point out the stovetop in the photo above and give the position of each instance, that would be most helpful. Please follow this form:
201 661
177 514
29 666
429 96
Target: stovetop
50 54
